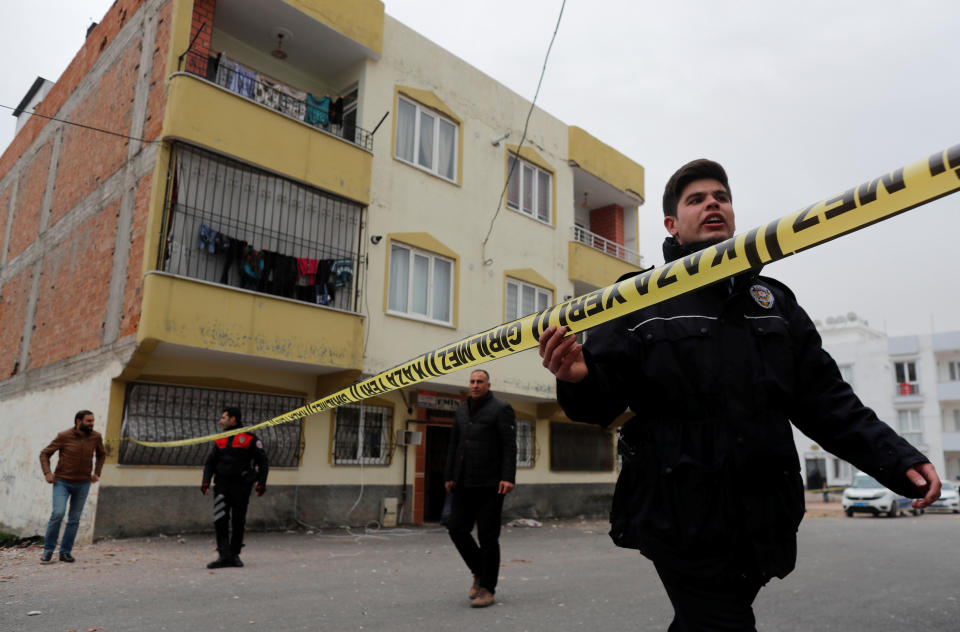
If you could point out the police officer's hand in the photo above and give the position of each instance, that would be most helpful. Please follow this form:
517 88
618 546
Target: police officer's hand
261 489
563 356
448 486
50 478
204 487
925 477
505 487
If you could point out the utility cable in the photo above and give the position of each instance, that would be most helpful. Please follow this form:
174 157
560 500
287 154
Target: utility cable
523 136
90 127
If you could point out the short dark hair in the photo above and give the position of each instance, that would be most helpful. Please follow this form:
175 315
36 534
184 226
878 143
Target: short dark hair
480 371
233 411
699 169
80 415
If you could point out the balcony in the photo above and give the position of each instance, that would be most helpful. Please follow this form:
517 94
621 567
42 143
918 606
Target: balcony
334 116
948 391
246 235
595 261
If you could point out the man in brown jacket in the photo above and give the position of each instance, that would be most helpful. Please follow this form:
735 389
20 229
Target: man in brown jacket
72 478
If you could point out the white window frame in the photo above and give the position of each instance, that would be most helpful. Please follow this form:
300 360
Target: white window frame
910 425
365 426
543 298
526 454
431 289
910 374
419 112
518 205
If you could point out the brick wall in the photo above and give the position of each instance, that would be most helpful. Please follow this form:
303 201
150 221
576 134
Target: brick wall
202 14
13 310
133 292
608 222
26 211
158 87
74 285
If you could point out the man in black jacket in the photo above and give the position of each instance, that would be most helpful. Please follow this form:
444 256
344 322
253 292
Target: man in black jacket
710 488
236 462
480 471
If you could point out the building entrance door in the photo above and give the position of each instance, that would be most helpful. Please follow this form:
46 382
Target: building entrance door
438 439
816 473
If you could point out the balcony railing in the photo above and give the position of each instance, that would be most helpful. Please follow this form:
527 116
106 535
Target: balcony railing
321 112
906 389
612 248
234 225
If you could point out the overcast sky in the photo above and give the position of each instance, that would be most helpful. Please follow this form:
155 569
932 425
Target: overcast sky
799 101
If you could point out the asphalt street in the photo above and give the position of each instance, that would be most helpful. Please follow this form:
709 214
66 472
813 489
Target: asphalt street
861 573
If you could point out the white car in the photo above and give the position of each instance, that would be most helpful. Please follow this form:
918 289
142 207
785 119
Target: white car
949 498
867 495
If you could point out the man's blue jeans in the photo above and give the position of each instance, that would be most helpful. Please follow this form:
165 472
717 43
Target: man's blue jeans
62 490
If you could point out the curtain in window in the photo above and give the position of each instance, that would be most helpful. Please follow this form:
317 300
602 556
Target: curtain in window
421 283
528 189
512 290
406 124
442 273
447 145
425 155
529 300
513 185
543 301
399 279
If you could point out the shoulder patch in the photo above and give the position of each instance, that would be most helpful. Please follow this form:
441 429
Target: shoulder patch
762 295
259 444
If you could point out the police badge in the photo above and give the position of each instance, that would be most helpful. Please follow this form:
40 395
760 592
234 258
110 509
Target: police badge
762 295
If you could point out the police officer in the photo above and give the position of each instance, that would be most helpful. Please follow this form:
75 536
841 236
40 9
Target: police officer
710 489
236 462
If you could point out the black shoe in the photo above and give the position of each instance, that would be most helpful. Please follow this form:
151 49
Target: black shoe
236 561
46 557
220 562
66 557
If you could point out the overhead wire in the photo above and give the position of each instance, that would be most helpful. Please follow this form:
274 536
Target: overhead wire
85 126
523 136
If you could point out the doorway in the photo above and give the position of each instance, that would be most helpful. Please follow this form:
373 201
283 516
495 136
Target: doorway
816 473
438 440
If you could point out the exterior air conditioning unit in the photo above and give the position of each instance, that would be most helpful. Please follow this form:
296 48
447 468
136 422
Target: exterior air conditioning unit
409 437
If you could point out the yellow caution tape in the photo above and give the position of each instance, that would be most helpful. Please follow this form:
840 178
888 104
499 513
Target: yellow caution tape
857 207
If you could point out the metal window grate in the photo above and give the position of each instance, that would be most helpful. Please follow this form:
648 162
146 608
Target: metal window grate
162 412
526 443
274 95
577 447
363 435
235 225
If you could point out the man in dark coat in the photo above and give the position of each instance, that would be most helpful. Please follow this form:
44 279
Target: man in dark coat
235 463
710 488
480 471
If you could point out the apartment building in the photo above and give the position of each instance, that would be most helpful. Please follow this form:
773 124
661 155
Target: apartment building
911 382
308 192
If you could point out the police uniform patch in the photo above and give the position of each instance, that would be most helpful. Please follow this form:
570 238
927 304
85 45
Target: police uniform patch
763 296
259 444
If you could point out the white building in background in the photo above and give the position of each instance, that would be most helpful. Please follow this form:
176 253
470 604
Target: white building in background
912 382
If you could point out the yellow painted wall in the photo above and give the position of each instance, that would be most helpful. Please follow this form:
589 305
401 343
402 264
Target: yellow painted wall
207 115
594 267
219 318
360 20
605 162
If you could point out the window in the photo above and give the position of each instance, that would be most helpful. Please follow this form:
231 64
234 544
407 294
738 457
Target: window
846 372
905 374
528 189
526 444
162 412
954 369
524 299
362 435
910 426
426 139
576 447
421 284
954 424
841 469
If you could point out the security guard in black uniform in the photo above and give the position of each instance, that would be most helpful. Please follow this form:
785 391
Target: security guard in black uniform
238 462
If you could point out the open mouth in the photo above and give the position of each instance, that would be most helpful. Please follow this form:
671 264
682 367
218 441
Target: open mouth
714 220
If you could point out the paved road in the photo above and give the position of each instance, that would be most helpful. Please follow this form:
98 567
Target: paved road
854 574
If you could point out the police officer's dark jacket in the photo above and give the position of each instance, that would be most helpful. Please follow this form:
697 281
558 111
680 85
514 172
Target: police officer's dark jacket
237 459
483 443
714 377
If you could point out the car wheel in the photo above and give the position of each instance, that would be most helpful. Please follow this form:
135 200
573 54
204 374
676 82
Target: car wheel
850 513
894 509
916 512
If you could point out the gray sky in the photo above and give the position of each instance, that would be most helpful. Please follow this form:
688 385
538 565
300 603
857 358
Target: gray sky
799 101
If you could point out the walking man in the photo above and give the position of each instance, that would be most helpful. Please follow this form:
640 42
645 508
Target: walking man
71 480
480 471
235 463
710 489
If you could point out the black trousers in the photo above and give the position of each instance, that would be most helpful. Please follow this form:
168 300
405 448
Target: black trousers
721 603
230 502
481 506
